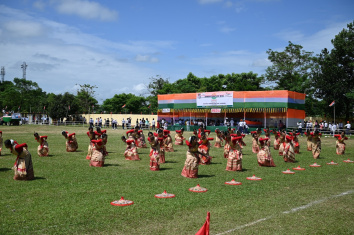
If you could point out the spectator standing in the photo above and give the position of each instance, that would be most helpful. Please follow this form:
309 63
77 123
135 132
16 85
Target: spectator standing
187 124
123 123
153 124
299 126
348 127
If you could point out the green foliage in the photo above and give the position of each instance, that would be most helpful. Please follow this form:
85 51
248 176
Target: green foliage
62 105
291 68
133 103
334 74
85 98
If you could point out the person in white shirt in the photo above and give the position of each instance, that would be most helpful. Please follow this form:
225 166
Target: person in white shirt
165 126
299 126
348 127
153 124
232 122
123 123
334 128
187 124
325 125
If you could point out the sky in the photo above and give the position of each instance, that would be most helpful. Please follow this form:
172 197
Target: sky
118 46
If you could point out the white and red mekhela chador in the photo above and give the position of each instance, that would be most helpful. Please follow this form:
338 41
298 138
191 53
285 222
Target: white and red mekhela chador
276 143
42 149
161 141
91 136
267 135
288 153
282 144
309 141
131 152
296 143
179 137
234 160
141 139
1 142
227 147
168 144
255 146
23 166
204 147
316 145
154 153
340 145
218 139
190 169
264 156
71 143
98 157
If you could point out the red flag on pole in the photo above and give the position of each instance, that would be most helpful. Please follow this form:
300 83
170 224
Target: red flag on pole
332 104
204 230
149 106
123 106
44 107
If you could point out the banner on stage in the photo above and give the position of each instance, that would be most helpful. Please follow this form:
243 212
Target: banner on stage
215 99
166 110
215 110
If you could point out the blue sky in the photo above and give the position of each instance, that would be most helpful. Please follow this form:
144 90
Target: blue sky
119 45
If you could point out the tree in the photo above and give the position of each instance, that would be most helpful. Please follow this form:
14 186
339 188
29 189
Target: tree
62 105
156 84
85 97
291 68
333 75
133 103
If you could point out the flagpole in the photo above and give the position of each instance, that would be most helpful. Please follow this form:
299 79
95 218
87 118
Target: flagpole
334 113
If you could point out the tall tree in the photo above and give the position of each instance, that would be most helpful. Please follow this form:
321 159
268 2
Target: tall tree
334 74
156 84
86 97
291 68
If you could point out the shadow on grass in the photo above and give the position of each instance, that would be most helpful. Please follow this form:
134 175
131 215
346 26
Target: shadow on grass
39 178
170 162
109 165
5 169
212 163
205 176
165 168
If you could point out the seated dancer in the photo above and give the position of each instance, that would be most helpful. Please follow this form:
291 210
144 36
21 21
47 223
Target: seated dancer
316 144
267 135
202 129
71 143
92 136
255 146
218 138
282 142
276 143
130 152
98 157
1 140
288 153
241 142
340 145
99 133
264 156
154 152
227 144
204 147
179 137
295 141
234 160
42 149
168 141
190 169
309 140
160 138
23 166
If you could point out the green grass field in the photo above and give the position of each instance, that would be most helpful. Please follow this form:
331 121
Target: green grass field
69 197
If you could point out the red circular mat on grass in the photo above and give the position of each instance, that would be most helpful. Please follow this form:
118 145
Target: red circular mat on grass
165 195
254 178
298 168
315 165
332 163
288 172
233 182
348 161
198 189
122 202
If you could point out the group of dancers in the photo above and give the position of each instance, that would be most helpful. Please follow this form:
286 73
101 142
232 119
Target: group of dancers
161 142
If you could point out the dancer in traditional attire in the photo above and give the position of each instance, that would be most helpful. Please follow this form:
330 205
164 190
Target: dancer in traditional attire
179 137
154 152
276 143
23 165
282 142
43 149
130 152
1 140
288 153
204 147
160 138
98 157
264 156
340 145
190 169
227 144
92 136
71 143
309 140
218 138
316 144
234 160
168 141
295 141
267 135
255 146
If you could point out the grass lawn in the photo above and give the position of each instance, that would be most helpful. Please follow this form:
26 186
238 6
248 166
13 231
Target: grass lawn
69 197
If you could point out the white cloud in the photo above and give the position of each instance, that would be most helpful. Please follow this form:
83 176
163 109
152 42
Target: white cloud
86 9
146 58
226 29
290 35
261 63
19 28
208 1
40 5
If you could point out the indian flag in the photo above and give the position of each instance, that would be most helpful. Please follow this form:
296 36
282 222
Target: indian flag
332 104
123 106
